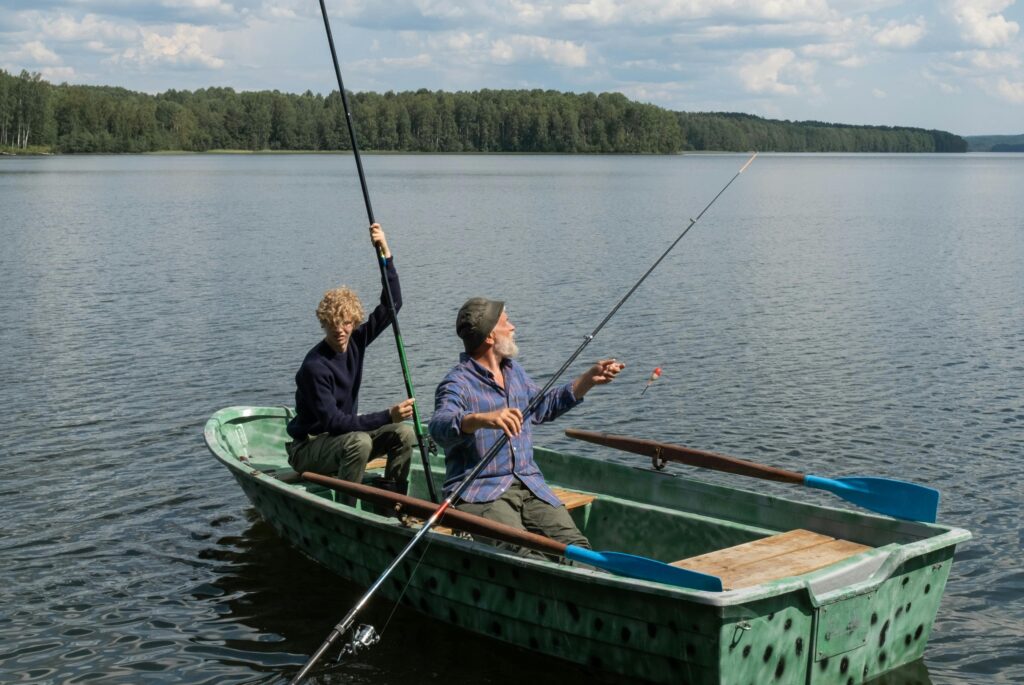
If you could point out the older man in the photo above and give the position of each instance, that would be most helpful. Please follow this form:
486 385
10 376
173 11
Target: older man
330 435
484 396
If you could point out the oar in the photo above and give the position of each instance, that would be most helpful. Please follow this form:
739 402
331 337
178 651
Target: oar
417 427
888 496
628 565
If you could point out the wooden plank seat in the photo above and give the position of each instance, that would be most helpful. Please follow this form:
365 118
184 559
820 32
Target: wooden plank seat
793 553
570 498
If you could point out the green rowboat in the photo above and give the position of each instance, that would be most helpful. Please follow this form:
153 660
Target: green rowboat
813 594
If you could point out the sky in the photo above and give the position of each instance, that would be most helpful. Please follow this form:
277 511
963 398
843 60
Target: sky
955 65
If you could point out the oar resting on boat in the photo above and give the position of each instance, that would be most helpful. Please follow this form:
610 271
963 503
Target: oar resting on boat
628 565
888 496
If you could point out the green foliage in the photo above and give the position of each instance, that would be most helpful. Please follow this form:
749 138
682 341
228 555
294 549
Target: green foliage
107 119
742 132
995 143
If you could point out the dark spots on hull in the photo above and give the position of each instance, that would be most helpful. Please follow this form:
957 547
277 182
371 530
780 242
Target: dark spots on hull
494 629
917 633
906 579
781 668
850 681
573 611
927 588
598 625
424 607
907 608
907 639
771 616
673 627
626 634
306 542
874 618
515 573
881 636
788 624
899 612
542 608
652 630
465 563
824 664
534 645
746 651
881 658
475 593
844 665
691 650
432 583
453 617
323 540
595 661
491 573
510 594
359 534
767 653
337 529
452 576
799 646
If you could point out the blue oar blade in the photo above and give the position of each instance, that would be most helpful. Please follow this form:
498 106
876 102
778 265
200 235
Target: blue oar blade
643 568
896 498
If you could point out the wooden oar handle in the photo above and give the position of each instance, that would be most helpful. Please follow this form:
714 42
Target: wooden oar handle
460 520
688 455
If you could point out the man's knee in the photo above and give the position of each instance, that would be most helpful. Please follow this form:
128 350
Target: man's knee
406 434
357 445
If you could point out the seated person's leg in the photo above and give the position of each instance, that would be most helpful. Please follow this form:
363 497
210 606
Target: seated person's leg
396 440
506 510
553 522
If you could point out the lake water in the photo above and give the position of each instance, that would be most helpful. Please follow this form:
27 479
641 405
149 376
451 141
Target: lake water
837 315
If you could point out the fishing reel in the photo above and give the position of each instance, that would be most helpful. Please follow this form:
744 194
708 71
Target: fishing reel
363 637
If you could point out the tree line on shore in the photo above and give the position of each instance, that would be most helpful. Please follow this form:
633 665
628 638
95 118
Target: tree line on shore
37 115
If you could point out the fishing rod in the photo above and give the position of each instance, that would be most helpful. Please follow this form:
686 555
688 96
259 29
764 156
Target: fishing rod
421 439
346 623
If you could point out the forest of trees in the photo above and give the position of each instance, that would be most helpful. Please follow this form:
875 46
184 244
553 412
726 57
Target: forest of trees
36 115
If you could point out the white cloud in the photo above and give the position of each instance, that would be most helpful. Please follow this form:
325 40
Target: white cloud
982 24
878 93
182 48
987 60
36 53
1012 91
896 35
660 12
537 48
763 71
90 27
217 6
57 74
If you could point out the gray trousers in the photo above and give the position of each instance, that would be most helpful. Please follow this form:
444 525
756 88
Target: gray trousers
520 508
345 455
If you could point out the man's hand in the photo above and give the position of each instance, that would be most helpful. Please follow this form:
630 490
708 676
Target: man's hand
379 240
401 411
509 420
601 373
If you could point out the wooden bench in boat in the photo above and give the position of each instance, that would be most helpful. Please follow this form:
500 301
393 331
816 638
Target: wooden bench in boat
793 553
570 498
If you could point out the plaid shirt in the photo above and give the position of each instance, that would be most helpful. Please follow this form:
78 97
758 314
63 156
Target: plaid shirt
469 388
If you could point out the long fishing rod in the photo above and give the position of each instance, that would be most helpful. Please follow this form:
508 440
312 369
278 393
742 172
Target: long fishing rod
421 439
346 623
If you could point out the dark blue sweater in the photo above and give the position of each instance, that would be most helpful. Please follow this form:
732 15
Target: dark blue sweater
327 384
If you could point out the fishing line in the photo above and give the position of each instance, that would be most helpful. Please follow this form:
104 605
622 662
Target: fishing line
347 621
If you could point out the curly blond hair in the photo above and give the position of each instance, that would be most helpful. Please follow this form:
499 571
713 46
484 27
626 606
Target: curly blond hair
338 306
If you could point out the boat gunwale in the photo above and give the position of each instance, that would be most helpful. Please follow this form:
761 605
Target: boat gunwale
822 585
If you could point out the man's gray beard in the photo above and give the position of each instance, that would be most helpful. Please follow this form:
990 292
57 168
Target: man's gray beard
506 347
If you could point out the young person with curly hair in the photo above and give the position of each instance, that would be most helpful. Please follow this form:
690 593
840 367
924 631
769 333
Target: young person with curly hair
329 434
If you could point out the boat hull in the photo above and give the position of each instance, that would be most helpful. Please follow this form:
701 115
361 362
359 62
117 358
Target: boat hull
846 625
